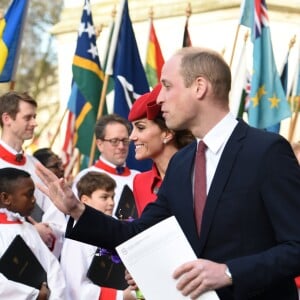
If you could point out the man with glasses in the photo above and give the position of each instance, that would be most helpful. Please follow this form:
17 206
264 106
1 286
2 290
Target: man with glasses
112 140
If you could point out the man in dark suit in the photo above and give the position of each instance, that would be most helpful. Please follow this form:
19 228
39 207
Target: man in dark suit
249 241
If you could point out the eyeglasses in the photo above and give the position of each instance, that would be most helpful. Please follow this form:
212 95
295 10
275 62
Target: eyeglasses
115 142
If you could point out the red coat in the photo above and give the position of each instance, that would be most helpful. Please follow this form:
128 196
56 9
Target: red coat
145 187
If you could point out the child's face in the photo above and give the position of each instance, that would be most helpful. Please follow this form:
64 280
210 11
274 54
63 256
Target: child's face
101 200
22 200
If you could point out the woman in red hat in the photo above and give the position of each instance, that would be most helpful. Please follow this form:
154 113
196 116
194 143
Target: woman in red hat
152 140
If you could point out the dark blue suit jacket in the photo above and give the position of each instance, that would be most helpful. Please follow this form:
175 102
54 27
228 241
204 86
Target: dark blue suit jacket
250 221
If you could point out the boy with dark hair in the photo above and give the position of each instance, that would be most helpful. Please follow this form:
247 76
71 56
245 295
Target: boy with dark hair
16 203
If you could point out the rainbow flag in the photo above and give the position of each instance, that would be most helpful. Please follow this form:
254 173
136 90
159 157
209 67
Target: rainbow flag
11 29
154 60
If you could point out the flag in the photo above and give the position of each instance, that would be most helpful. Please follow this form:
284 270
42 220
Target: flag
284 81
247 13
88 78
69 142
128 72
154 59
124 63
268 104
11 30
68 145
186 35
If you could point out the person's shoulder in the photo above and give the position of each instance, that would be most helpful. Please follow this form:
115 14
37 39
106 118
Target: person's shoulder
143 175
265 136
31 158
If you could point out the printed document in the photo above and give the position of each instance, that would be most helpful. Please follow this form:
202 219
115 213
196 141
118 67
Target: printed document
152 256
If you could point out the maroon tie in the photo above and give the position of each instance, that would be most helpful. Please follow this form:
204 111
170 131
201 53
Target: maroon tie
199 184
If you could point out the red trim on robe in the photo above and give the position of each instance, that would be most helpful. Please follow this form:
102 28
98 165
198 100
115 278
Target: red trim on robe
101 165
108 294
4 220
10 157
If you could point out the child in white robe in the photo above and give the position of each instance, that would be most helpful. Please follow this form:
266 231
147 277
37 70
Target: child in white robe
16 202
96 190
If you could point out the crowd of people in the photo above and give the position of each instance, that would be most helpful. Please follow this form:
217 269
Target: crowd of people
246 236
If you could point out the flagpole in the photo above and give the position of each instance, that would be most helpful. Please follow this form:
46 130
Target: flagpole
234 44
242 9
58 128
103 93
294 119
110 30
99 114
114 40
295 98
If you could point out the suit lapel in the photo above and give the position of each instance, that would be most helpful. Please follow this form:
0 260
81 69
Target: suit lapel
220 179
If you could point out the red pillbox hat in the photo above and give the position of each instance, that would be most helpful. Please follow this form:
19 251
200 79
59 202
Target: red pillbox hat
145 106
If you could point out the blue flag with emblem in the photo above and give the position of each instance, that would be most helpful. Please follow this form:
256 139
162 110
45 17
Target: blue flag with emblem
268 105
128 73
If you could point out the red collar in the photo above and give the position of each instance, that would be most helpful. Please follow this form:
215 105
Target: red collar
4 220
101 165
156 180
11 158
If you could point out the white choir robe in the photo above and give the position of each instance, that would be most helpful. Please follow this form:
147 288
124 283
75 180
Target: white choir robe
121 181
76 258
55 278
52 216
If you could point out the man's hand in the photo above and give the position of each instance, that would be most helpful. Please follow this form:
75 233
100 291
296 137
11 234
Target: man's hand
199 276
59 192
130 281
127 294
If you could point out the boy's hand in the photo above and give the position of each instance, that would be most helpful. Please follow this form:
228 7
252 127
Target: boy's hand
44 293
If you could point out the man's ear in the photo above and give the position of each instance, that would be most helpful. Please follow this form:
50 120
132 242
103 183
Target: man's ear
5 199
99 144
201 86
5 118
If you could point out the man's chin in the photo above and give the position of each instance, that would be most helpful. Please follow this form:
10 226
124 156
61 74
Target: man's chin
27 137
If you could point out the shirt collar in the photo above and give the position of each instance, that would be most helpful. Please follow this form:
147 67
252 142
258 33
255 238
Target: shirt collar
9 148
109 163
12 216
220 133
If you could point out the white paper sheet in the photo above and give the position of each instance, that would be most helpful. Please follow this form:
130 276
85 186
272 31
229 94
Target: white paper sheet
152 256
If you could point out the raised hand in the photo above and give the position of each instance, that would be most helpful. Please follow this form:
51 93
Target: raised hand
59 192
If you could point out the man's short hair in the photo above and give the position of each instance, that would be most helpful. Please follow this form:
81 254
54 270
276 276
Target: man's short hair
110 119
9 103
